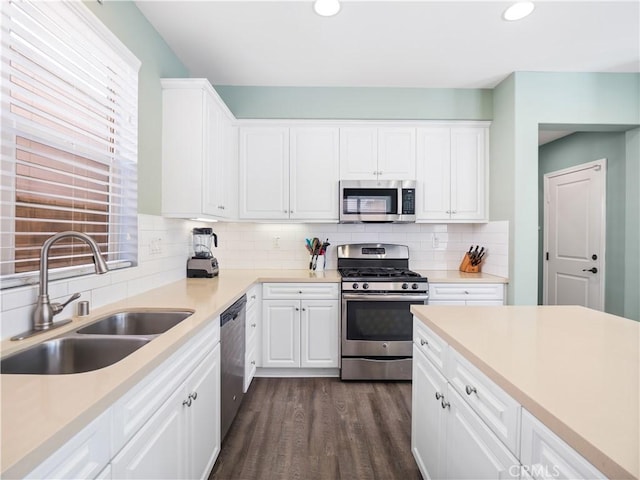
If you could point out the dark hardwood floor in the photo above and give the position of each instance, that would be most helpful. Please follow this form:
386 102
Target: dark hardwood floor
320 428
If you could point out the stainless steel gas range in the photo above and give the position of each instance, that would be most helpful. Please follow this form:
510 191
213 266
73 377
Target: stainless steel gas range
378 290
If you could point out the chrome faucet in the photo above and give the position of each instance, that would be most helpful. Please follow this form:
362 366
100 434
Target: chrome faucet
45 310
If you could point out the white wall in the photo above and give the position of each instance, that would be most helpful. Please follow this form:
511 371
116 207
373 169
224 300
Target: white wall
164 245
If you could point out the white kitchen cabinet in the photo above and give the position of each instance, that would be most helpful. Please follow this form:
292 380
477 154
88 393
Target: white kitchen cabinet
199 152
314 171
452 173
289 173
84 456
252 335
303 330
448 440
427 416
182 438
377 153
545 455
469 294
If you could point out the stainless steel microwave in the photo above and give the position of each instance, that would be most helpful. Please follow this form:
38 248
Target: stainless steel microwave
390 201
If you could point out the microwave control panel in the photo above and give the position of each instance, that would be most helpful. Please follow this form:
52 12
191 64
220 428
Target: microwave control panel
408 201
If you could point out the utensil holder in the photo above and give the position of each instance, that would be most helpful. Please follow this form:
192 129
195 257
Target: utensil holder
317 263
465 265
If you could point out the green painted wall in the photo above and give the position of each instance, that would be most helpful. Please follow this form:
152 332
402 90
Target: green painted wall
581 148
158 61
632 226
357 103
545 98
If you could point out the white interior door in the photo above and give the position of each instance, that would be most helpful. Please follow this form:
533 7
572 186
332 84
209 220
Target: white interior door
574 233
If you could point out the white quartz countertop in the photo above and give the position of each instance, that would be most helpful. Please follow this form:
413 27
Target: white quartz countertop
41 412
455 276
577 370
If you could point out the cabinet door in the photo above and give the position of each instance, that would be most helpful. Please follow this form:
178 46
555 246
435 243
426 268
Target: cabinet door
264 173
427 418
203 416
158 450
472 450
320 334
212 168
358 153
183 120
314 173
468 175
281 333
433 189
397 153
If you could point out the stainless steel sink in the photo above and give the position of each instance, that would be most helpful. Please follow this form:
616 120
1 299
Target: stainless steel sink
144 322
70 355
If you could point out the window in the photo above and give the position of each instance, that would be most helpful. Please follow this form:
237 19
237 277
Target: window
69 140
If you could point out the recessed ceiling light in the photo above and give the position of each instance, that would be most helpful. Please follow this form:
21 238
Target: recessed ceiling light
518 11
326 8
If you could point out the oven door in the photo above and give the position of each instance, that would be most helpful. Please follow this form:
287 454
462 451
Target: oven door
378 325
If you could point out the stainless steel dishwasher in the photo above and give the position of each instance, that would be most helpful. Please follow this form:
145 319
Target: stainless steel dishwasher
232 343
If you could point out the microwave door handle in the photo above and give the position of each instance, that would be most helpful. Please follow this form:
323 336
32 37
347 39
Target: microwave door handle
368 297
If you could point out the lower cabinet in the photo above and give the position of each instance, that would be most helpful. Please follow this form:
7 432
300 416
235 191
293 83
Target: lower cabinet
448 439
300 333
182 439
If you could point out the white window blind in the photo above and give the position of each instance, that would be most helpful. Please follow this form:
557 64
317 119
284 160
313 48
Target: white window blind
69 130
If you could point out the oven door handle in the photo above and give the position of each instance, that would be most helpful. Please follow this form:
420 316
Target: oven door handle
369 297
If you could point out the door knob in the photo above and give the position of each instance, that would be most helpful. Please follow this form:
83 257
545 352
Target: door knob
592 270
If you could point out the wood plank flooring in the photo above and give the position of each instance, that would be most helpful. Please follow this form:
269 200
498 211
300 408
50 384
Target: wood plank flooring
320 428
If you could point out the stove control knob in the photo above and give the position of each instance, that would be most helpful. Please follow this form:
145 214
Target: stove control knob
414 286
365 286
355 286
405 286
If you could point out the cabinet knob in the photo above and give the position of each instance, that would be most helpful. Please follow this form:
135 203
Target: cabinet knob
304 309
253 297
466 292
193 395
454 211
447 211
469 389
423 342
187 402
439 396
444 403
253 362
253 325
297 309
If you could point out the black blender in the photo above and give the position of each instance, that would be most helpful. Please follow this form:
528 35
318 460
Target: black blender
203 264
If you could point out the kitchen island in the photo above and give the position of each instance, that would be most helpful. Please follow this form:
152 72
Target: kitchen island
574 369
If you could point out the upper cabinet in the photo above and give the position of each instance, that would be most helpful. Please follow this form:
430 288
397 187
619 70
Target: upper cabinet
289 173
377 153
452 180
199 152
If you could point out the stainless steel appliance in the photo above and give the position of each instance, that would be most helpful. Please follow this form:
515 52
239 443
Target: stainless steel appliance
391 201
203 264
378 290
232 341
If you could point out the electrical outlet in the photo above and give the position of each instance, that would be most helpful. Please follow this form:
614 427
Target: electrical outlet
436 241
276 242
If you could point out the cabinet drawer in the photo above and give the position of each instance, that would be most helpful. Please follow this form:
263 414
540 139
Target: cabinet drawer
499 411
84 456
307 291
545 455
131 411
429 343
466 291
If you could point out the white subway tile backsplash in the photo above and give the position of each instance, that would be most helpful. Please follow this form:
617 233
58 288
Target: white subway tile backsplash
165 243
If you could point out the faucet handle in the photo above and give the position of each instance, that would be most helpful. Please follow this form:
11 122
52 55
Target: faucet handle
58 307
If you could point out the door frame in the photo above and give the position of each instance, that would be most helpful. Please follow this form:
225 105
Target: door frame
600 164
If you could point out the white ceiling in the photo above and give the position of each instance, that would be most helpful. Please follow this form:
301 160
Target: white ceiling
446 44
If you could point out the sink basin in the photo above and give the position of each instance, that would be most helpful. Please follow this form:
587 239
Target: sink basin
70 355
144 322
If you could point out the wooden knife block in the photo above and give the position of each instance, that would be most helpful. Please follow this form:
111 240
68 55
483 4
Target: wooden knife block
465 265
